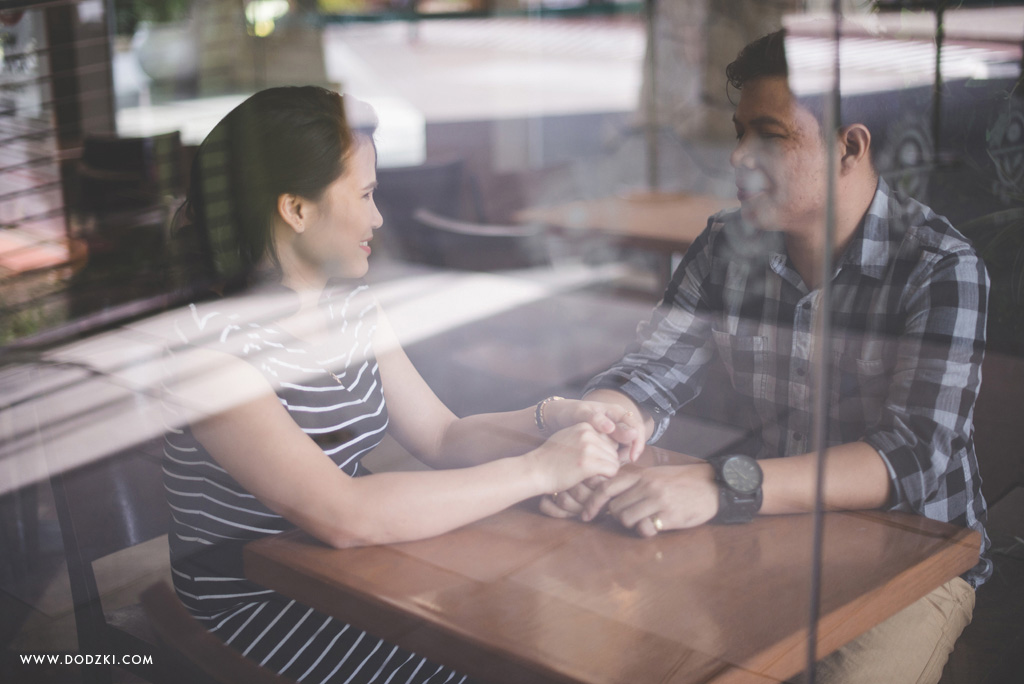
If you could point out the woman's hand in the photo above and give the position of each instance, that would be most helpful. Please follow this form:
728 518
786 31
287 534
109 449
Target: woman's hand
677 496
575 454
622 425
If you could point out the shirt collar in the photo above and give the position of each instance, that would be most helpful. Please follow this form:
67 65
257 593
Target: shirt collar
875 241
871 248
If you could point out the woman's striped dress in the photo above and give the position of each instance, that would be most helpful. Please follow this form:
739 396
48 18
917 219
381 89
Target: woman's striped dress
334 394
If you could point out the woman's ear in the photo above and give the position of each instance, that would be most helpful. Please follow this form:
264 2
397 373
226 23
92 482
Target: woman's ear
855 146
293 210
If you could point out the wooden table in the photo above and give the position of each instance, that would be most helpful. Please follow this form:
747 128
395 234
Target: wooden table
519 597
667 222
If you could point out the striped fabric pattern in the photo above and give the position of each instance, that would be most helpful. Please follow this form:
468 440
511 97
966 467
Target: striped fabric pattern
333 392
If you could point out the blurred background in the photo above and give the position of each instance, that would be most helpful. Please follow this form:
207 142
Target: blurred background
543 164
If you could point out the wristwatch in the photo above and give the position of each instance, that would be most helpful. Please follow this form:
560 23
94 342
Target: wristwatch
739 480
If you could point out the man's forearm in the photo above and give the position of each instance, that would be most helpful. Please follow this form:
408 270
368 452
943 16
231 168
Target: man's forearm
855 478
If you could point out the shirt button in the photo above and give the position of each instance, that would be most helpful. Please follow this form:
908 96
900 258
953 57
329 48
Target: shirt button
806 306
800 372
798 436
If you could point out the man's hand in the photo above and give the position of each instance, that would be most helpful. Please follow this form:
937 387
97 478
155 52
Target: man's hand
573 455
619 423
570 503
679 496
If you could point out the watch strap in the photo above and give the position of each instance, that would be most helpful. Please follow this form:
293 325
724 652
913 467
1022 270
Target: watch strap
736 508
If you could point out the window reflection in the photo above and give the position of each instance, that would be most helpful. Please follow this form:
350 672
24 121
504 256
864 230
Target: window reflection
545 168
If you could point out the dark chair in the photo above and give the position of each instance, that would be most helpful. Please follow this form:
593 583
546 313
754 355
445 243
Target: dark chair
483 247
997 425
442 188
19 531
104 507
127 190
206 654
118 174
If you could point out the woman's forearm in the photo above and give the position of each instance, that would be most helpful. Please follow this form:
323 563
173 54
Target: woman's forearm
403 506
487 436
483 437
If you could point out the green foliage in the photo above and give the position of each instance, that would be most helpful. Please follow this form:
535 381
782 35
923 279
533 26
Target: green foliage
21 319
21 324
128 13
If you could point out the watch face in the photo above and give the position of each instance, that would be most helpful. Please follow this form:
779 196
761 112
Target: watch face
742 474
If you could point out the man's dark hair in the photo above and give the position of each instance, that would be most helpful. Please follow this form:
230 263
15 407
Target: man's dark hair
766 57
763 58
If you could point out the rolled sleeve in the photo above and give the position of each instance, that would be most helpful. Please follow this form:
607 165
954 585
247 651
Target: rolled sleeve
927 415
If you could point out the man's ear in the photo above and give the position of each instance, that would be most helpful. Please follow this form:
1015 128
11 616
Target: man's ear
293 210
854 146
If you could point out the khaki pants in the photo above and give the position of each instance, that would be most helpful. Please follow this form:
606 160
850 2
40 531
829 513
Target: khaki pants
911 647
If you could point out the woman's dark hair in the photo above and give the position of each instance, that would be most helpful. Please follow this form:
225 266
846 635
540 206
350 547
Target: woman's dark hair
289 140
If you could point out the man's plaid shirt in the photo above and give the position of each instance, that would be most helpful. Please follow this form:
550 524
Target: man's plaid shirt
909 301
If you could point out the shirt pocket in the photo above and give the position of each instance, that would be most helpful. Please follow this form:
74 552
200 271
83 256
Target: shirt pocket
859 388
746 360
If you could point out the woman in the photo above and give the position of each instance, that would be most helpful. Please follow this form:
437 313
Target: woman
282 191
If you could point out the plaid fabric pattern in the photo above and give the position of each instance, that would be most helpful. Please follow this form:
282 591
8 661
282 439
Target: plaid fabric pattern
908 309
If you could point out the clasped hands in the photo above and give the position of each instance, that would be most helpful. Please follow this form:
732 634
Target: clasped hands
644 499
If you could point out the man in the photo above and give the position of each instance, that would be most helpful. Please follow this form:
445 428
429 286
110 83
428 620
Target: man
908 307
